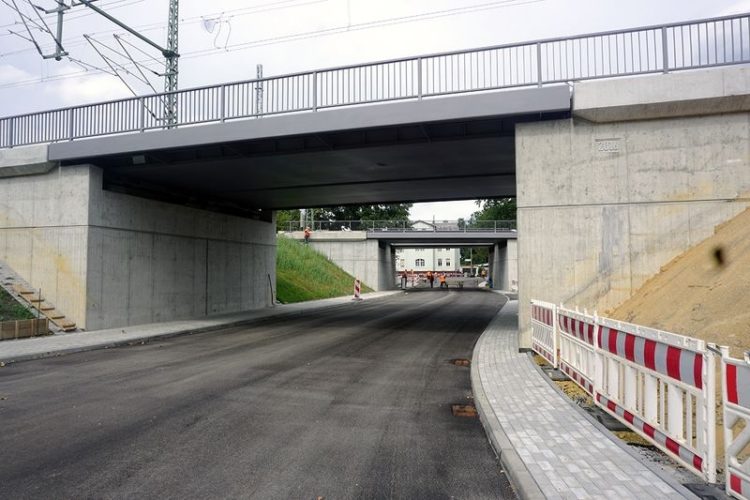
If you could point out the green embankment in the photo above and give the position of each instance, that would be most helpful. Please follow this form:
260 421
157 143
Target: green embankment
11 310
304 274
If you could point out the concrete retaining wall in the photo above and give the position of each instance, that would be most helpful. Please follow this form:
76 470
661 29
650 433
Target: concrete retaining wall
107 259
354 253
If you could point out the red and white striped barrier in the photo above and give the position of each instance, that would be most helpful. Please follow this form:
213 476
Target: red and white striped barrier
667 382
357 289
735 374
544 330
577 347
659 384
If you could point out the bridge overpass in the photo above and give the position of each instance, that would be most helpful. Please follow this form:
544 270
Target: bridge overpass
369 253
623 149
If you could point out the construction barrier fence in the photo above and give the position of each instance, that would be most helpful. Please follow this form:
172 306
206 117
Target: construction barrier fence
735 374
659 384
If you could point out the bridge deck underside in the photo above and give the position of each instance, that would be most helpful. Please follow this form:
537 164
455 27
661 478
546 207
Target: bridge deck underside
444 149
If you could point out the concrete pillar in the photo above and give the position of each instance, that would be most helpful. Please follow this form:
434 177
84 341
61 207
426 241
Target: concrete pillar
504 265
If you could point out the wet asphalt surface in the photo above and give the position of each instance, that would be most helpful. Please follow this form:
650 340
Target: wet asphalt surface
350 402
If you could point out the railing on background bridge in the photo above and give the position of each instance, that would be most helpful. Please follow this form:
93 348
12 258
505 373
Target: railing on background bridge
486 226
659 384
653 49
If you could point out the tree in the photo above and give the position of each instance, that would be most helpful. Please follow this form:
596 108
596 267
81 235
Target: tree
489 210
388 212
495 209
287 219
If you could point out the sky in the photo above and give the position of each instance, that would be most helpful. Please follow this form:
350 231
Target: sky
224 40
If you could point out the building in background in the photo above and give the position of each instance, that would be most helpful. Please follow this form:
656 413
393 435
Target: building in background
421 260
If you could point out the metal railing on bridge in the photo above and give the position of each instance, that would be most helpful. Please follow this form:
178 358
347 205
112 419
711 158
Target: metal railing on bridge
492 226
671 47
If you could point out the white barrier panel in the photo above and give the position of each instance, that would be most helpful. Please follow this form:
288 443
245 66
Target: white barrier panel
736 395
544 330
577 334
661 385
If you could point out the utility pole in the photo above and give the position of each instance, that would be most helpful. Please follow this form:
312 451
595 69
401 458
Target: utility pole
171 57
170 53
259 90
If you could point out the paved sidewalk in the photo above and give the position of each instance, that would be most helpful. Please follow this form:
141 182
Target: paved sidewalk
549 449
56 345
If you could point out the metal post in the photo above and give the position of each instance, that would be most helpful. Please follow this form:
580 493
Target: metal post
259 90
539 64
665 54
171 63
315 92
71 123
11 131
142 111
419 78
222 100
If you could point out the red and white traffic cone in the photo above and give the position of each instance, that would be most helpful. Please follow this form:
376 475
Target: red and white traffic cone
357 289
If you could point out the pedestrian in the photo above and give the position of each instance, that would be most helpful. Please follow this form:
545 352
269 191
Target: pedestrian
443 283
308 232
430 278
404 277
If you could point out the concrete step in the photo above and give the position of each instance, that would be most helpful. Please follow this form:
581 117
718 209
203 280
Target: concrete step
68 325
36 301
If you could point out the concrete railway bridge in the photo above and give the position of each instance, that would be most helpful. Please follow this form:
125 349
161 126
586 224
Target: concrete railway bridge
369 253
623 149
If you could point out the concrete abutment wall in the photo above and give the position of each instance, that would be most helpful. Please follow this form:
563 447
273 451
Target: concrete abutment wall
369 260
603 205
108 259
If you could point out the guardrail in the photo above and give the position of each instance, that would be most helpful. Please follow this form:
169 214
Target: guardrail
670 47
491 226
659 384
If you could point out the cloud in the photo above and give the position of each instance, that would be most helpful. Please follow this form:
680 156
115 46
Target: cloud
12 74
88 88
736 8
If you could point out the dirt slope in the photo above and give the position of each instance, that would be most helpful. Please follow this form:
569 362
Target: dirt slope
703 293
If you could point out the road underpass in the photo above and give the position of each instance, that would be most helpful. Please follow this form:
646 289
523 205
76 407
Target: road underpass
350 402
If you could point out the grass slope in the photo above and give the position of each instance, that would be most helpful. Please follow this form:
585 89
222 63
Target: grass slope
304 274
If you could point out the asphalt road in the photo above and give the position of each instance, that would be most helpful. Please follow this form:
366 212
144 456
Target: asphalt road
350 402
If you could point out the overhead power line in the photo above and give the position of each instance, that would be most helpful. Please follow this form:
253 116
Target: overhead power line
292 37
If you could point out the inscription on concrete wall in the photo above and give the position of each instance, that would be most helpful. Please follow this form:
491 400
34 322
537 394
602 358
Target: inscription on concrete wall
607 146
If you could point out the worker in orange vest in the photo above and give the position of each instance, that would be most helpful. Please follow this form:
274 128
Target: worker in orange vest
443 283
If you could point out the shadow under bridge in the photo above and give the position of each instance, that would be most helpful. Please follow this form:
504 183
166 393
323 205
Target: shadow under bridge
441 148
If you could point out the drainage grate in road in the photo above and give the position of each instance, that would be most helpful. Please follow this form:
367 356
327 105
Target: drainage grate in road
464 411
460 362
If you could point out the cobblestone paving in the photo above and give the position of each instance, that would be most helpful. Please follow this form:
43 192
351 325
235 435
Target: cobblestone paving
567 456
